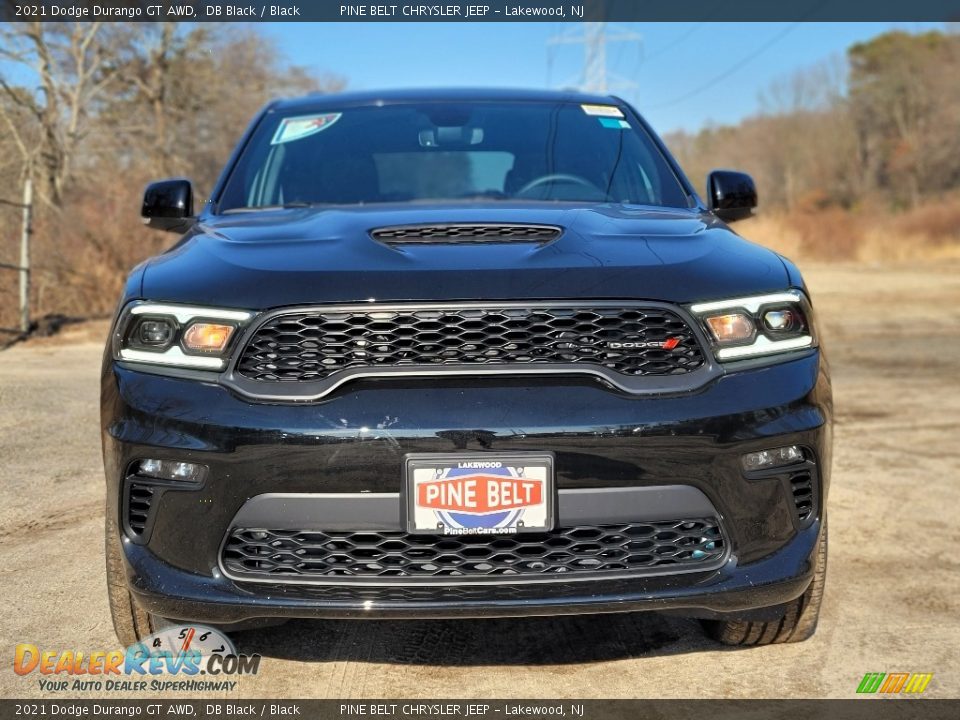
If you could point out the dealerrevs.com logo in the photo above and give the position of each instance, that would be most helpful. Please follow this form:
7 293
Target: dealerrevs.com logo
190 658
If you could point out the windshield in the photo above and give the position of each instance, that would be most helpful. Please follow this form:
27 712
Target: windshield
530 151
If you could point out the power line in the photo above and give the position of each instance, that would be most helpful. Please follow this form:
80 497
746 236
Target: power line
673 43
731 70
595 38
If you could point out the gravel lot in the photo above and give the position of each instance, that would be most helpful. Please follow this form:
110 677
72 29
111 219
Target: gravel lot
893 588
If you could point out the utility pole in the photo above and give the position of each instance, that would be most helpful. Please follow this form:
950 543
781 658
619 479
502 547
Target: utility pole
23 269
595 60
25 231
594 38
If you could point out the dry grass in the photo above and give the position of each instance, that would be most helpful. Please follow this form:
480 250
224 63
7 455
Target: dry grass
928 232
81 255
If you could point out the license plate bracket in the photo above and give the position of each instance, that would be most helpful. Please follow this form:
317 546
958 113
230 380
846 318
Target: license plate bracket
479 493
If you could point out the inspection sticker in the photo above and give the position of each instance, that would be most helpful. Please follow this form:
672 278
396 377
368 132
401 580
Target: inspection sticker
297 128
603 110
614 124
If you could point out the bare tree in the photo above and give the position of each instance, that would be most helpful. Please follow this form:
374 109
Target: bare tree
94 111
72 64
905 99
148 71
181 101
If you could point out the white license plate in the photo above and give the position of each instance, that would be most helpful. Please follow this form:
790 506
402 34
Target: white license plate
471 494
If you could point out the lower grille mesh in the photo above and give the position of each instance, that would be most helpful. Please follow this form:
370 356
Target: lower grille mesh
314 555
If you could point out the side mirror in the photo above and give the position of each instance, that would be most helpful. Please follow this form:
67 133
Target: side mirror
168 205
733 196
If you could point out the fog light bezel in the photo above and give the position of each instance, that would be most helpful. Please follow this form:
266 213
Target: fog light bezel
799 459
165 473
159 487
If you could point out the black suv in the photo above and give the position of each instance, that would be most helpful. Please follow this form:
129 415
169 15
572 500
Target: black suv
434 354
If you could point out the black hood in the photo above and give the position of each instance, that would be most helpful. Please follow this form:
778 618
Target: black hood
272 258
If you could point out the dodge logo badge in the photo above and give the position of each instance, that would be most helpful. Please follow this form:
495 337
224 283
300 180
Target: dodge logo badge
668 344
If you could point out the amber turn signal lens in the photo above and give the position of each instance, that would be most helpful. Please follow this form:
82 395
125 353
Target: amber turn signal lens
731 327
207 337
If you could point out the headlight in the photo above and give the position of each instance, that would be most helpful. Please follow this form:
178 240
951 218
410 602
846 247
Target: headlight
760 325
177 335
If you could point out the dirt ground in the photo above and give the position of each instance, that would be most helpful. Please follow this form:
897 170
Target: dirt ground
893 588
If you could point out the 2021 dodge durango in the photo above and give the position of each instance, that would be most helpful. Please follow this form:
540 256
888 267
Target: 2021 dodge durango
433 354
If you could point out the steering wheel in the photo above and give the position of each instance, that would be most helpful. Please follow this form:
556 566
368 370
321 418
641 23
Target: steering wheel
557 177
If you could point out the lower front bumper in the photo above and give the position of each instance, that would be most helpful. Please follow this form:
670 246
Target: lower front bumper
731 589
356 442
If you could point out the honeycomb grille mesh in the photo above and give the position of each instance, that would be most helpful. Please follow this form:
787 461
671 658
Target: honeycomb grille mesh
300 554
313 345
469 233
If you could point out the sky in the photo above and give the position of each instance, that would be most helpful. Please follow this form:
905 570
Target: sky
682 75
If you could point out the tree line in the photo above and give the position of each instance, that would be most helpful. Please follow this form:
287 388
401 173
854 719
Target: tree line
92 111
879 128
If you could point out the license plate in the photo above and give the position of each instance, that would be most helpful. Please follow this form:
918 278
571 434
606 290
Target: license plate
488 494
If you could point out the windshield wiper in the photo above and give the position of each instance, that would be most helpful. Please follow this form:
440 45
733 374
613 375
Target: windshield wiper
296 204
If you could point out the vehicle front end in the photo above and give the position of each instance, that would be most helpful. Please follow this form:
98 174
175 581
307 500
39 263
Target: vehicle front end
273 487
467 409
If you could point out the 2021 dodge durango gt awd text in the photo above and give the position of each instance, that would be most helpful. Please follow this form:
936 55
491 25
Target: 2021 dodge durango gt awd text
463 354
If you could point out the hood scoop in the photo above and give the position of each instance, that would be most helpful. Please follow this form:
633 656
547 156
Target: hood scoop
465 233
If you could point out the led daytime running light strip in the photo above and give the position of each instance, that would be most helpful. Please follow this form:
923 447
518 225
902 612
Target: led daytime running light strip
185 314
764 346
753 304
172 356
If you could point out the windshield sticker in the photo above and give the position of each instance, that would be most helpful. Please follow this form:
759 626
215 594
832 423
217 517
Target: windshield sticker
614 124
603 110
297 128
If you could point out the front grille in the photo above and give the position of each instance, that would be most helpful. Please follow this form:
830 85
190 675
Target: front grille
343 556
465 233
139 502
315 344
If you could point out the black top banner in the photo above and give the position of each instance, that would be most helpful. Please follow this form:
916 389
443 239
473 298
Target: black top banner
482 11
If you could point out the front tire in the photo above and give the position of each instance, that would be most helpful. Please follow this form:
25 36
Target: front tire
799 621
130 622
